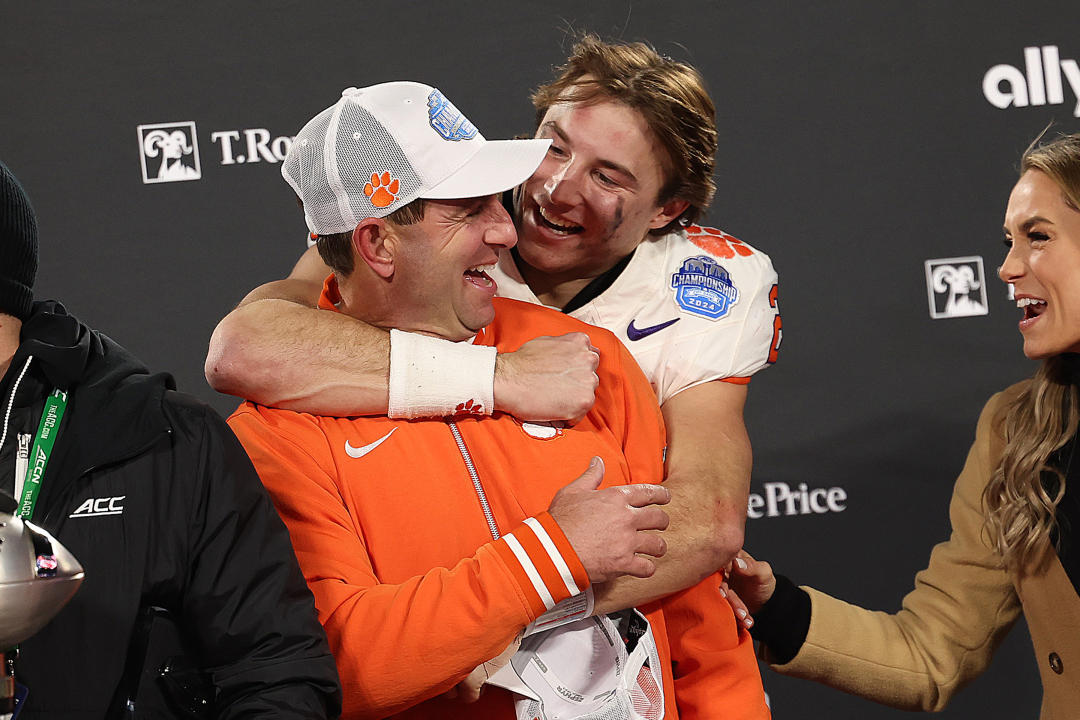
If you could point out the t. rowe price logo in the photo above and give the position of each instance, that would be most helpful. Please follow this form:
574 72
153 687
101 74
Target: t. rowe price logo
257 146
783 499
1039 84
169 152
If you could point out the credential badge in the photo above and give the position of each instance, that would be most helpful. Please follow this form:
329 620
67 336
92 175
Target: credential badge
447 119
703 287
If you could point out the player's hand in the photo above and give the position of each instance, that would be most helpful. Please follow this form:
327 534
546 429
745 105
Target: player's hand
607 527
548 378
748 584
468 690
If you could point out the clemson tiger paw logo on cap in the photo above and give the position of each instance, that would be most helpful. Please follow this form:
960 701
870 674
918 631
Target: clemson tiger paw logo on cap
381 191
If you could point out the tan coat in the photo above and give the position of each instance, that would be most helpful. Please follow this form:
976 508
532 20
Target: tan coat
962 606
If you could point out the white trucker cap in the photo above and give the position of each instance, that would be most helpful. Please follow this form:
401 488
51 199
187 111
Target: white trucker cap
381 147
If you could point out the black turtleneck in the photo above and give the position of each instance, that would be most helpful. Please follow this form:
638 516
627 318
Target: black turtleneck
1067 460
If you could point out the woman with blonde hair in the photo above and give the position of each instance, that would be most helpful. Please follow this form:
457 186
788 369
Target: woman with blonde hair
1015 510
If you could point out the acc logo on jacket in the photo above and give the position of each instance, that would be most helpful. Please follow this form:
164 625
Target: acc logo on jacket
93 507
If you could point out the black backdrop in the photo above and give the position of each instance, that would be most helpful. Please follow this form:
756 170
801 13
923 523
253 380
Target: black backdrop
857 143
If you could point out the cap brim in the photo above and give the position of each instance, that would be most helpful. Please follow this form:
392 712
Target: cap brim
498 166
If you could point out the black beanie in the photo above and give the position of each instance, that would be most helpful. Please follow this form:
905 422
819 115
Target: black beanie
18 247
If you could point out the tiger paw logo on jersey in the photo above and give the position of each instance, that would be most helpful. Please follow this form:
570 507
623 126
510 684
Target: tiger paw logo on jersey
381 191
717 242
703 287
541 430
447 119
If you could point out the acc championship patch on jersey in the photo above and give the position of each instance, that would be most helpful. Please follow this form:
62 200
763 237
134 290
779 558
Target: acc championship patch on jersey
703 287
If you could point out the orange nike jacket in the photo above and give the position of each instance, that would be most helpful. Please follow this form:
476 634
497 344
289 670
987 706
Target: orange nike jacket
394 524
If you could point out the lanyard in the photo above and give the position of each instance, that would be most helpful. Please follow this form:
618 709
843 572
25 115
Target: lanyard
55 404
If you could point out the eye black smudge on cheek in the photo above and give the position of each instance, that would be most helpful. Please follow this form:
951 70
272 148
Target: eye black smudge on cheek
617 219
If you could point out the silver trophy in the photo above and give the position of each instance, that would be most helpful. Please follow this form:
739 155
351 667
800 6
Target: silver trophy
37 578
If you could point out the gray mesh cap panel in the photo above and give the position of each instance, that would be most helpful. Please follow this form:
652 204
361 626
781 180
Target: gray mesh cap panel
334 192
365 148
305 170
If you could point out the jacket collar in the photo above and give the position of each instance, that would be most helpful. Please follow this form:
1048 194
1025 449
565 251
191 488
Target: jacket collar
115 404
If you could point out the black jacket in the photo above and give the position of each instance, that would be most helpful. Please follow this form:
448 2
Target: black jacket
176 519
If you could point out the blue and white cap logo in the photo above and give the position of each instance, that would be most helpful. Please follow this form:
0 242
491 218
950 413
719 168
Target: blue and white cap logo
447 119
703 287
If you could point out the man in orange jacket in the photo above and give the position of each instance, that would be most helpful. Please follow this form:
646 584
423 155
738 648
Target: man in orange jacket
434 545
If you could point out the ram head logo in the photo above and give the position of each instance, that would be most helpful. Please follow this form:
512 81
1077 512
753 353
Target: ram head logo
176 148
959 284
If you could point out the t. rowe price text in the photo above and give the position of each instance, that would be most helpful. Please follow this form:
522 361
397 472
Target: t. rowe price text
781 499
256 146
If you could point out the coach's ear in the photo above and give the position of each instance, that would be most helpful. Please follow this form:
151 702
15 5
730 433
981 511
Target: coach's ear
373 243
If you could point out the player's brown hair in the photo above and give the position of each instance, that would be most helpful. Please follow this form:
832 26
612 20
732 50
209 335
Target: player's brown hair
670 95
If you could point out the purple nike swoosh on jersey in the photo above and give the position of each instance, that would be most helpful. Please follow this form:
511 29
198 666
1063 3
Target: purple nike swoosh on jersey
638 333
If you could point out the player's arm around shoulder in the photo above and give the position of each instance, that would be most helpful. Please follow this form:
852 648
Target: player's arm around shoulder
277 348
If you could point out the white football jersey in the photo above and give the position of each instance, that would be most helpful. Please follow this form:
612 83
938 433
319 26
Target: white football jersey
691 307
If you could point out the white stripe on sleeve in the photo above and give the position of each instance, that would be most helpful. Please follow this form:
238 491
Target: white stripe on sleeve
556 556
530 570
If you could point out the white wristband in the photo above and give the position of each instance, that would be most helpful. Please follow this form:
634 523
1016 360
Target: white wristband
431 377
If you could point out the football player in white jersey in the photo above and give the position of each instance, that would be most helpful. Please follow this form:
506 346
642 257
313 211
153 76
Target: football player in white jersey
606 235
